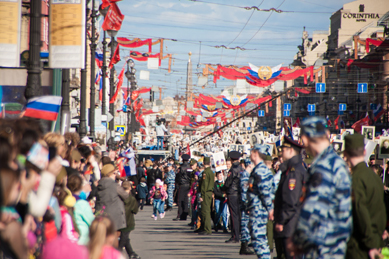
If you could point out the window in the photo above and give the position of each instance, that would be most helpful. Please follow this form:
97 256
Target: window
361 8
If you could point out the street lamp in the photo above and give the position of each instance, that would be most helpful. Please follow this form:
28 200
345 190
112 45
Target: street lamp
93 39
113 45
130 74
104 66
387 107
358 101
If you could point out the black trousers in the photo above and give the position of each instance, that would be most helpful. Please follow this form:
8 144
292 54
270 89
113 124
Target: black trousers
234 207
141 203
125 242
282 252
183 201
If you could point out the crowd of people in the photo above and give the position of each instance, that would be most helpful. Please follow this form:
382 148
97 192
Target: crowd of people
62 197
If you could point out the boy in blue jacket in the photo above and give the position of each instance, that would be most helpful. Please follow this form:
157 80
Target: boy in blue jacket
142 191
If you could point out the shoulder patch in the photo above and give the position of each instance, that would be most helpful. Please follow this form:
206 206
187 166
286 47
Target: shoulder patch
292 184
316 179
292 169
189 170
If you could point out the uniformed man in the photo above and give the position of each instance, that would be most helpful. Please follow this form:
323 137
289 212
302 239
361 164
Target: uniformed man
170 181
325 222
287 202
232 189
206 188
270 224
183 180
369 215
260 195
244 223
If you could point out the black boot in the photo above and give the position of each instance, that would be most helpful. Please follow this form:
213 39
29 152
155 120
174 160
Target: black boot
245 250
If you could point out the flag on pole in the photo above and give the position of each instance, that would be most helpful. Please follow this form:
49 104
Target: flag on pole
357 126
297 123
378 112
44 107
336 122
99 59
329 123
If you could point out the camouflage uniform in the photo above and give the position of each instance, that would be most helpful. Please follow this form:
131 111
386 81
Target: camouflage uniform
170 181
260 196
325 221
244 222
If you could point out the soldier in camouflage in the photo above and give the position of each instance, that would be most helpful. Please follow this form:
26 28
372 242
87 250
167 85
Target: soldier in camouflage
260 195
325 222
244 221
170 181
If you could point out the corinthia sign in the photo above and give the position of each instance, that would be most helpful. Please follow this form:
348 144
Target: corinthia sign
361 17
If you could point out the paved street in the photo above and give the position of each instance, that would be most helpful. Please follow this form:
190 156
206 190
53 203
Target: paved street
165 238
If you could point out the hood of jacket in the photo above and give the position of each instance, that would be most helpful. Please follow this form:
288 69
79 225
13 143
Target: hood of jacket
143 184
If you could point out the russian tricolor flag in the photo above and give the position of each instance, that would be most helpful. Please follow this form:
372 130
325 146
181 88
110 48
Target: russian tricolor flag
99 59
378 112
43 107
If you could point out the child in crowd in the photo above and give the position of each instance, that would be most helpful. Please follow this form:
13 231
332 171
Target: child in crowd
193 199
158 196
220 203
66 203
102 237
131 208
142 191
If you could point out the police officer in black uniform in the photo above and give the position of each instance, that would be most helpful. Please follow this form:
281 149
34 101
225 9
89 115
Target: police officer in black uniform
232 188
287 203
183 181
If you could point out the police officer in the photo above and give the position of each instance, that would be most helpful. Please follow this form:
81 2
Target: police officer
183 180
287 202
260 196
232 189
206 188
270 225
244 223
369 215
325 222
170 181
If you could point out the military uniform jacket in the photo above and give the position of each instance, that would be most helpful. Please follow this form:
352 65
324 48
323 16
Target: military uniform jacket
260 193
207 182
171 177
287 202
325 221
369 215
232 184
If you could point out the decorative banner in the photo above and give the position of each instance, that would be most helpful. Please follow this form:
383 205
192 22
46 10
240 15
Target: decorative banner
114 18
118 86
219 161
10 11
116 58
67 34
265 73
377 43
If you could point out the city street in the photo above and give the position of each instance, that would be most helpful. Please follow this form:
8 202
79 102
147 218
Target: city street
165 238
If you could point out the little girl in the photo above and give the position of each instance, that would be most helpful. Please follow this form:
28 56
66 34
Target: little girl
102 236
66 203
158 196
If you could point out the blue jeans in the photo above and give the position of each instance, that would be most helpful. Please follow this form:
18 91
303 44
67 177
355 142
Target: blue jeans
221 211
159 142
158 206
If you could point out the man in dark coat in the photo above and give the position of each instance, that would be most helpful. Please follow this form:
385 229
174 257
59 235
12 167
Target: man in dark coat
369 216
183 181
287 202
232 188
111 196
206 188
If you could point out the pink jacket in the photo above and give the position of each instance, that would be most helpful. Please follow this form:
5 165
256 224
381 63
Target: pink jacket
193 193
163 192
68 230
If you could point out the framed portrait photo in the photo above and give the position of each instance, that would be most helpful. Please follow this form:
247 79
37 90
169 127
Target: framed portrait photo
368 132
338 145
383 149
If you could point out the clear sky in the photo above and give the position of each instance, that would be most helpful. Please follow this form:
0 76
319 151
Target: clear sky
270 38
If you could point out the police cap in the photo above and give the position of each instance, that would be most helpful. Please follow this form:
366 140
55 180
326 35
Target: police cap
185 157
288 142
193 161
263 149
235 155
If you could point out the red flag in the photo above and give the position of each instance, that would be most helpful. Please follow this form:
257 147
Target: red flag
115 59
114 18
134 95
336 122
119 85
357 126
297 123
188 149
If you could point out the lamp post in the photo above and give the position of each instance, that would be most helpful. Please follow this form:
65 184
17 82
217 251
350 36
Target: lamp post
83 128
387 108
130 74
92 73
33 87
104 67
358 101
113 45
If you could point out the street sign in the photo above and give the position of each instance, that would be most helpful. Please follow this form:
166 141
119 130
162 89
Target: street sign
121 129
261 113
286 113
342 107
287 106
311 107
362 88
248 128
320 87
